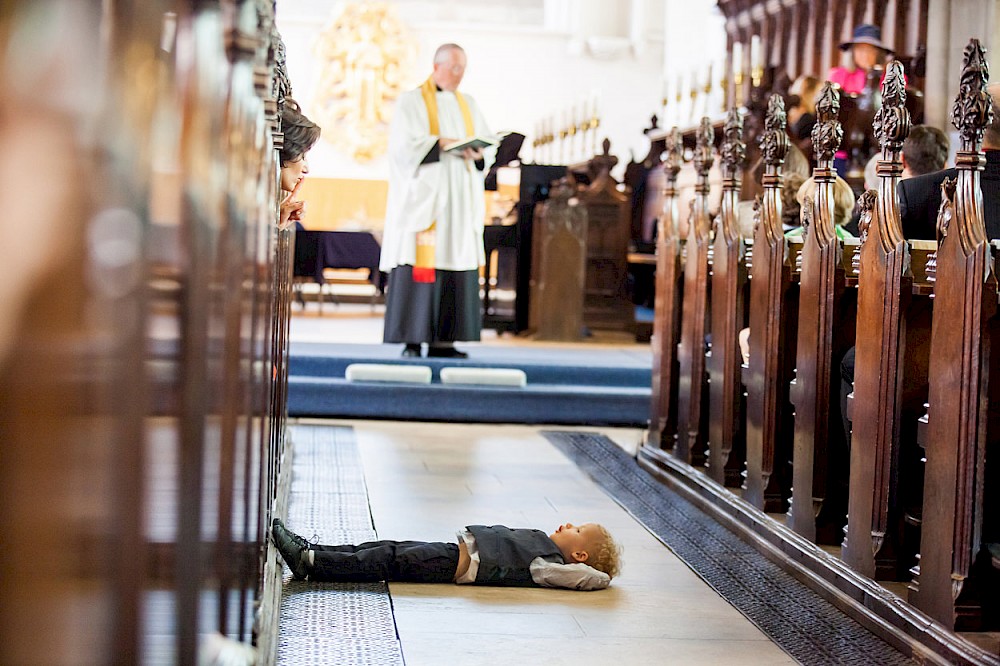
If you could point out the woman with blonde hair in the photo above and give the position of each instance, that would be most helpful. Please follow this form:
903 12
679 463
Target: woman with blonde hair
843 206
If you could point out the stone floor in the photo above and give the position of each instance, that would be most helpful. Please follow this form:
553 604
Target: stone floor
426 480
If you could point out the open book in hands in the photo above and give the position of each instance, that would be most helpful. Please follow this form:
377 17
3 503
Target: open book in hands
474 142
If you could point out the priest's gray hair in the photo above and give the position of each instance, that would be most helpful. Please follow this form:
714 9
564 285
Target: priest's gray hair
441 55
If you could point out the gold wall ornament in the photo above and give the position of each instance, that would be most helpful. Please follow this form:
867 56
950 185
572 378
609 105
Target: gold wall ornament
363 55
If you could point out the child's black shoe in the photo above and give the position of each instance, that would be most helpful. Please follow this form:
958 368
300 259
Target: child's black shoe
293 548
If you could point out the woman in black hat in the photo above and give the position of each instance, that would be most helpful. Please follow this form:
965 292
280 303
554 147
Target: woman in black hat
867 50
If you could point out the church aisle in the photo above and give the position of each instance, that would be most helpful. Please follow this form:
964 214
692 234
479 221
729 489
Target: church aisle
425 480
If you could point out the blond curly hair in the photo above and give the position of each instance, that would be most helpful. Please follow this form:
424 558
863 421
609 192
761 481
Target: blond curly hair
607 553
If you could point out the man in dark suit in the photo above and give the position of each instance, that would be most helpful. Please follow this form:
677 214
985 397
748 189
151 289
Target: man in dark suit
925 150
920 197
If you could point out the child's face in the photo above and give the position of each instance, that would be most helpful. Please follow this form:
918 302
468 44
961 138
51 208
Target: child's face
576 541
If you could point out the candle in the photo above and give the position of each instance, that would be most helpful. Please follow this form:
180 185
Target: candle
738 62
756 60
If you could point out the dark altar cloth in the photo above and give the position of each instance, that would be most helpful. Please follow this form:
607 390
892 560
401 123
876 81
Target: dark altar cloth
318 250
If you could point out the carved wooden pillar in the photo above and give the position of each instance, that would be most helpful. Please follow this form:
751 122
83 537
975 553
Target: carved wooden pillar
827 40
781 43
965 297
839 24
884 287
821 277
728 279
691 352
767 389
812 36
666 322
796 30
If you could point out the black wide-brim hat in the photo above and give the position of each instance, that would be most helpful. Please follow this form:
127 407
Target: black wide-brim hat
866 33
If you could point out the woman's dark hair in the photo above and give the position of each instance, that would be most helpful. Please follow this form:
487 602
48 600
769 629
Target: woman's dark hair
925 149
300 132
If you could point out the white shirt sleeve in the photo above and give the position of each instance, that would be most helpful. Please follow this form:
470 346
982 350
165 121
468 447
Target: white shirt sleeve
576 576
473 550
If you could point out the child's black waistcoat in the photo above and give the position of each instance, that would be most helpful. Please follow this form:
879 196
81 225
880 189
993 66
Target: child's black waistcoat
505 555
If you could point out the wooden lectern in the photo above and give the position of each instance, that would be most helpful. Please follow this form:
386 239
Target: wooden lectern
559 255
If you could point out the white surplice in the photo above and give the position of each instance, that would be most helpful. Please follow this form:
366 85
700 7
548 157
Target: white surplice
448 192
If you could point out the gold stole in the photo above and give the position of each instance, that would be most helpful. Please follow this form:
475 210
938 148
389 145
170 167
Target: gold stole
423 266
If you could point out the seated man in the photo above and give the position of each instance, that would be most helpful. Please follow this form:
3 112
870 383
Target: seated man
920 197
924 151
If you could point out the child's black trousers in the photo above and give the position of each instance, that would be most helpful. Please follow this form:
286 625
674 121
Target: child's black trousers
404 561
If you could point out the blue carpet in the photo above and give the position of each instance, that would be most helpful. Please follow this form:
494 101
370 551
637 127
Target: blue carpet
577 385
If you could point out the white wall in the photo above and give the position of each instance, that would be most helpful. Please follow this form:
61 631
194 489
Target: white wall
518 72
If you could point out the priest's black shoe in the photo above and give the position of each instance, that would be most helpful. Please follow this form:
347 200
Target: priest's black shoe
411 351
445 352
293 548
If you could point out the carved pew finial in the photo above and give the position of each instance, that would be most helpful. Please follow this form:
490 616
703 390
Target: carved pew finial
972 110
892 121
734 150
971 113
892 126
774 145
672 164
703 157
828 133
774 142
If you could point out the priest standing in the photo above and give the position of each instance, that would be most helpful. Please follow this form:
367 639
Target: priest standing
432 246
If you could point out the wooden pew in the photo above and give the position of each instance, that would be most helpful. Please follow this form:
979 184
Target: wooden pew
691 399
728 278
821 286
947 584
771 345
666 323
884 293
